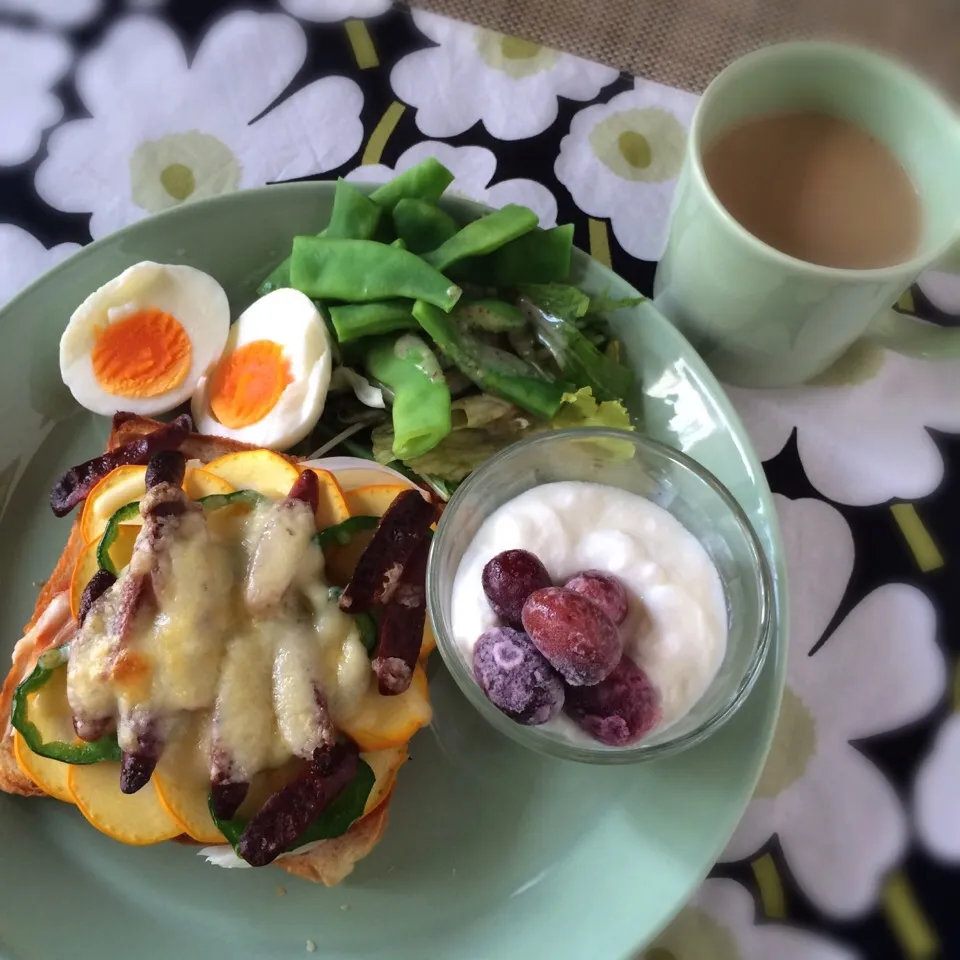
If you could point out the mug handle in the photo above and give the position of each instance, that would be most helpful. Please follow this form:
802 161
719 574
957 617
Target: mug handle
915 337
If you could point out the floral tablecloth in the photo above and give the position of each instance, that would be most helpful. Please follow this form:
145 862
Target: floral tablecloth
112 110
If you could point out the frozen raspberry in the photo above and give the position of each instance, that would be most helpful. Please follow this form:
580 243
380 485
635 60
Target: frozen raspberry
573 633
509 578
515 677
619 710
605 590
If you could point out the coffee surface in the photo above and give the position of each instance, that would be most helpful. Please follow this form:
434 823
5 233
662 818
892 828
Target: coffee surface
817 188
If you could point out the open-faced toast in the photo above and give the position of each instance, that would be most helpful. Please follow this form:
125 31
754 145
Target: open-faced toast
328 861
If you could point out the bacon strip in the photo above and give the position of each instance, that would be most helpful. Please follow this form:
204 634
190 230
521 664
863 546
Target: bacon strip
274 564
401 626
163 501
97 586
292 809
401 530
226 796
78 481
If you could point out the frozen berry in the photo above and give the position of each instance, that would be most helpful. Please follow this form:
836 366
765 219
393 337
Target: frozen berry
509 578
515 676
605 590
619 710
573 633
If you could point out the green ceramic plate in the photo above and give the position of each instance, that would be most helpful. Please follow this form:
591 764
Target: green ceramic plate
491 851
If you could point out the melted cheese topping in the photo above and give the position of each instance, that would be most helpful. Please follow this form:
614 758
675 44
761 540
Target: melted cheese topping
241 624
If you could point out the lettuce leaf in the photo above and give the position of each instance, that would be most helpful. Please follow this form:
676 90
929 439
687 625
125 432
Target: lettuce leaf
483 425
581 409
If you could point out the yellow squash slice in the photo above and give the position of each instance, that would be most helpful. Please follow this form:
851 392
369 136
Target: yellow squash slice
182 781
50 712
86 566
138 819
264 471
379 723
126 484
333 505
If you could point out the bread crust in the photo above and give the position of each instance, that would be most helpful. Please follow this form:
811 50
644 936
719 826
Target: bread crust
330 861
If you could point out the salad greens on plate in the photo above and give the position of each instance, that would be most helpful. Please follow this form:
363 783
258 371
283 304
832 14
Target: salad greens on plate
451 340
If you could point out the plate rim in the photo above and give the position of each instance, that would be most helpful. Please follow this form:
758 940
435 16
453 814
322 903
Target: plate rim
776 660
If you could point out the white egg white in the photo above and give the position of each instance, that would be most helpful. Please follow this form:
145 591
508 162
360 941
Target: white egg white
189 295
289 318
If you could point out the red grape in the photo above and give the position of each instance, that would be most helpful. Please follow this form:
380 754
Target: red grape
509 578
573 633
619 710
516 677
605 590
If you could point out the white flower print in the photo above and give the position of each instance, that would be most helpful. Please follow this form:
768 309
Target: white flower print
179 131
23 258
330 11
57 13
840 822
31 62
621 159
936 792
473 168
509 84
862 426
719 924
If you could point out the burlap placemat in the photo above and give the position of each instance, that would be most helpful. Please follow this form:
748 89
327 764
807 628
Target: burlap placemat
685 42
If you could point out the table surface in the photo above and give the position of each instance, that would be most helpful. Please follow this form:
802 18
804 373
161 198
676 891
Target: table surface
851 845
683 43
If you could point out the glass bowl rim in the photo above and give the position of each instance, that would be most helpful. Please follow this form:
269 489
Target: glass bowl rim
588 752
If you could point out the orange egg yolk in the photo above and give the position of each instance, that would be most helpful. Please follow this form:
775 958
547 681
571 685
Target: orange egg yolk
143 355
248 383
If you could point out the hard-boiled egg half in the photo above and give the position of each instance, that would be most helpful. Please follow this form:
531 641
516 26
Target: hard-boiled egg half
142 341
271 382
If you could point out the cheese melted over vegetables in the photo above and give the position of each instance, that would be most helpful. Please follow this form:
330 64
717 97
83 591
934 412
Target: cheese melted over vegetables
241 625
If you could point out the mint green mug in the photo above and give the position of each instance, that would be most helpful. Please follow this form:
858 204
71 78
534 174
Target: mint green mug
760 317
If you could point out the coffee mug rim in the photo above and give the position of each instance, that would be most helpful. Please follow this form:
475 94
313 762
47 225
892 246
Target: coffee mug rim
865 56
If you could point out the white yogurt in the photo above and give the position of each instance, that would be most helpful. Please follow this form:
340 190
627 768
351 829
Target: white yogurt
676 628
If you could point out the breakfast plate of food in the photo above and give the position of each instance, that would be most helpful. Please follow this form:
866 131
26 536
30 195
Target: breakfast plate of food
262 455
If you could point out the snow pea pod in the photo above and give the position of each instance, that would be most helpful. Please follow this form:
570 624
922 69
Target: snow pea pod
423 226
354 320
494 371
540 256
426 181
484 235
359 271
553 315
421 404
494 316
276 279
354 217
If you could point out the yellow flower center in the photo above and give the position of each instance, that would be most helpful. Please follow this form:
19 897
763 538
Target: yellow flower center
515 48
635 148
640 144
178 180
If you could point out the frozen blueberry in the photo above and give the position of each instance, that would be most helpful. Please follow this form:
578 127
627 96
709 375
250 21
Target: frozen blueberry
619 710
515 676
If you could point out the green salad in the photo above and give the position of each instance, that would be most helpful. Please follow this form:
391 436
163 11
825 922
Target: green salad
451 340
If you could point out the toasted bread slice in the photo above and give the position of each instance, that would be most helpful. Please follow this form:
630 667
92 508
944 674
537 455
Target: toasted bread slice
330 861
